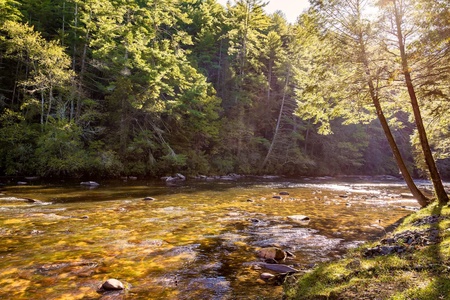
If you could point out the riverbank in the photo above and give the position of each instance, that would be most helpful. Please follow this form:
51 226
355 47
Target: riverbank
412 262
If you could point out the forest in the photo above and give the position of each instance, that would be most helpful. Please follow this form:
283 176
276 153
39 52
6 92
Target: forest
110 88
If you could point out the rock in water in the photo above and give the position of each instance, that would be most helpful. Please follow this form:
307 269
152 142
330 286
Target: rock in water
299 218
272 253
280 268
89 183
407 195
181 176
112 285
267 276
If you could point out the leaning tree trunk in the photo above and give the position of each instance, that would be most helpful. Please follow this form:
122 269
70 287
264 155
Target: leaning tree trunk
441 194
421 198
277 127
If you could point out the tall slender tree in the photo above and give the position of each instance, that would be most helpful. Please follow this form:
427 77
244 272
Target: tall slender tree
354 40
401 25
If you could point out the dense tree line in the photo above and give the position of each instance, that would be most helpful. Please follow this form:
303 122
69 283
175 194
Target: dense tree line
115 87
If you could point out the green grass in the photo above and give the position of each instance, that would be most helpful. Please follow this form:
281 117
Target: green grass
422 272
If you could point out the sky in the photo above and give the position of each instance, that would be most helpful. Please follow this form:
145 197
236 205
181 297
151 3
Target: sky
291 8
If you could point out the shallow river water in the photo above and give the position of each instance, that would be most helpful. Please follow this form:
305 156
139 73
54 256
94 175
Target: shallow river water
195 240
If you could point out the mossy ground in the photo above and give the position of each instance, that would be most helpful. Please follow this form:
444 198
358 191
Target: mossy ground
422 271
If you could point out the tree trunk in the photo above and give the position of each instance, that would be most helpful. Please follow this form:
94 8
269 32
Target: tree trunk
429 160
423 201
421 198
42 110
50 102
277 128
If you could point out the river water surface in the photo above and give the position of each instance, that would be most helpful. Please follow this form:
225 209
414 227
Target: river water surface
195 240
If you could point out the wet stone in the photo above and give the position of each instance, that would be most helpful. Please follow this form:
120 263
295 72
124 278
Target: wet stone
299 218
280 268
112 284
113 295
267 276
89 183
272 253
407 195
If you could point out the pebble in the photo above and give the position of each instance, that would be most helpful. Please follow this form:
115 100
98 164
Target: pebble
266 276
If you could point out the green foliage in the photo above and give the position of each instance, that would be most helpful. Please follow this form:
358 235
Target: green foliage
60 151
9 11
102 161
108 88
17 145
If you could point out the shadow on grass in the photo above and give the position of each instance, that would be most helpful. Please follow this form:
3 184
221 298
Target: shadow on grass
438 270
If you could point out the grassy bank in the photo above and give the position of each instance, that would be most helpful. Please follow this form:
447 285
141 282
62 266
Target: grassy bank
412 262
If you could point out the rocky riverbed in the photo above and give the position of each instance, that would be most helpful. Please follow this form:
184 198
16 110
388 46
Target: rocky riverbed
185 241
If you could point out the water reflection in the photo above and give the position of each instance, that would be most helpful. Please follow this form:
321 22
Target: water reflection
195 240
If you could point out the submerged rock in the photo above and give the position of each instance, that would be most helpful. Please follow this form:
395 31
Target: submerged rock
407 195
299 218
24 200
89 183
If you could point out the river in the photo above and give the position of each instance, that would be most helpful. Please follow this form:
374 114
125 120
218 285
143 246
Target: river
194 240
